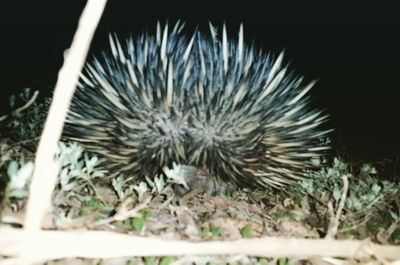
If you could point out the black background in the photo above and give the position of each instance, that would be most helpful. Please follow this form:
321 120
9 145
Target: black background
353 50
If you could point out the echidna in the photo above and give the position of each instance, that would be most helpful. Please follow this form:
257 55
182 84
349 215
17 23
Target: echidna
206 101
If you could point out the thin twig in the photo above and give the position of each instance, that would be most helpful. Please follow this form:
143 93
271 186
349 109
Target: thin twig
20 109
335 218
123 213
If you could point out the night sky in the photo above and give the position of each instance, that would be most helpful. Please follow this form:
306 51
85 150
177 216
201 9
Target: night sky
353 51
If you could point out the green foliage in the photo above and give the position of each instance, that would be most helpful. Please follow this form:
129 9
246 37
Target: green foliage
262 261
365 189
137 223
231 191
123 189
28 123
246 231
367 199
90 204
157 185
166 260
176 175
211 229
19 174
15 173
23 125
158 261
285 261
150 261
77 169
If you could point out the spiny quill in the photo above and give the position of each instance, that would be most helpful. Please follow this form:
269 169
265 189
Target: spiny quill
216 104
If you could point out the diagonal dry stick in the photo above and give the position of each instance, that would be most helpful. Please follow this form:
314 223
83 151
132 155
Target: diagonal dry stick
46 166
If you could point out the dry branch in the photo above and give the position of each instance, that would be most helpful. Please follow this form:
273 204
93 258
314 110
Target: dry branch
46 167
45 245
20 109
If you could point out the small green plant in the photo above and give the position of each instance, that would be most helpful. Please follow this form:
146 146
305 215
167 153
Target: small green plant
124 190
27 123
157 185
137 223
16 168
150 261
285 261
18 133
231 192
78 168
211 229
262 261
158 261
166 260
246 231
367 200
91 204
19 174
